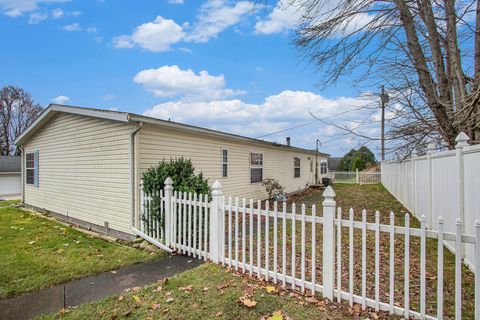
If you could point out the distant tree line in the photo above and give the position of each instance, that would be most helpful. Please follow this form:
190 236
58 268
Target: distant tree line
357 159
17 112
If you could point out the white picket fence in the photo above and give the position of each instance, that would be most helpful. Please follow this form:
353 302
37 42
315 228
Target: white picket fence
280 245
355 177
445 184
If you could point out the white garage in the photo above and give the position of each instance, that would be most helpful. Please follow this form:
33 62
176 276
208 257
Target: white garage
10 176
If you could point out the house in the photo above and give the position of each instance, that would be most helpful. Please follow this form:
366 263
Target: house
84 165
10 176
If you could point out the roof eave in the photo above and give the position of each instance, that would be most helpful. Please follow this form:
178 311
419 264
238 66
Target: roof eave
53 109
185 127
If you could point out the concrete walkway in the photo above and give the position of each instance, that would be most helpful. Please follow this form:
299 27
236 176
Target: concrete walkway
92 288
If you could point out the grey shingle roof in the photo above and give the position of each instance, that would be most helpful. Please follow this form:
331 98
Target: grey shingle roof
10 164
333 163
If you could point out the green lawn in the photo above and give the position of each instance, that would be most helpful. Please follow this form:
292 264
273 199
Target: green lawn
208 292
7 203
36 252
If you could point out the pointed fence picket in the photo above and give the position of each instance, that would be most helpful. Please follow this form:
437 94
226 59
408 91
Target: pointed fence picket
281 246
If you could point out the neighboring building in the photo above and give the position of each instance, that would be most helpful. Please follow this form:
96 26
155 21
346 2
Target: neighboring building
85 165
333 163
10 176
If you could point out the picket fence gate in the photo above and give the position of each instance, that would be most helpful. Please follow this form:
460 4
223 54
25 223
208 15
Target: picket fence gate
229 231
355 177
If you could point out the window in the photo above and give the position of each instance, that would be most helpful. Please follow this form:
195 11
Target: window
256 167
296 167
224 163
323 167
31 168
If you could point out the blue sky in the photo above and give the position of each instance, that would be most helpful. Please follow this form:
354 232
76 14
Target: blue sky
220 64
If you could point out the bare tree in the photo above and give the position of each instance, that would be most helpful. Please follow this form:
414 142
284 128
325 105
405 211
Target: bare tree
17 112
426 52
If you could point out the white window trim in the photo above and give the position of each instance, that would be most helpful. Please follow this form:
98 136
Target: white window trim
256 166
299 167
222 163
29 168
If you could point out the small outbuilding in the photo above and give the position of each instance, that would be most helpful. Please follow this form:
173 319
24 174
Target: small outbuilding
10 176
84 165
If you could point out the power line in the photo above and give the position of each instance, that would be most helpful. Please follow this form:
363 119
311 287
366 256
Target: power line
302 125
288 129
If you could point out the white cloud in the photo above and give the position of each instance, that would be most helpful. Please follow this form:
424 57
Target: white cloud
277 112
61 99
72 27
16 8
171 81
154 36
286 16
185 50
108 97
216 16
282 18
91 29
176 1
37 17
57 13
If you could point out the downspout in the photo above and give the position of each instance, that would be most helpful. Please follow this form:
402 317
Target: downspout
22 165
132 174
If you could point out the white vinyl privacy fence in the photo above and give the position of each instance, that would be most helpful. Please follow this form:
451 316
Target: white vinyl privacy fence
375 260
445 184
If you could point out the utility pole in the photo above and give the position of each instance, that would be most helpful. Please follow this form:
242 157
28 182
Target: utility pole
316 163
384 98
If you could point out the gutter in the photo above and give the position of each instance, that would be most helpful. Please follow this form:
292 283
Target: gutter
132 173
215 133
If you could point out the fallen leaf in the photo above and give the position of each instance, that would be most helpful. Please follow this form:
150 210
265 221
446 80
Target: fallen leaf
31 242
186 288
155 306
219 314
169 300
270 289
137 299
205 289
249 303
277 315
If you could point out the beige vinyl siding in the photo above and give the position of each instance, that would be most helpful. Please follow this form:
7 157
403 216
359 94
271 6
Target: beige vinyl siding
157 143
84 170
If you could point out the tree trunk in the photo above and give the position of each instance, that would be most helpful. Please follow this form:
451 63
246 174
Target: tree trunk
424 75
476 77
434 39
454 56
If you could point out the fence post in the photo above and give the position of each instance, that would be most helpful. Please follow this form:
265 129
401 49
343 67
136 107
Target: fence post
430 150
461 142
168 193
357 180
328 243
414 183
216 219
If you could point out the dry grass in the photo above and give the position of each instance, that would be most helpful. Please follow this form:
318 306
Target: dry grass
371 198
